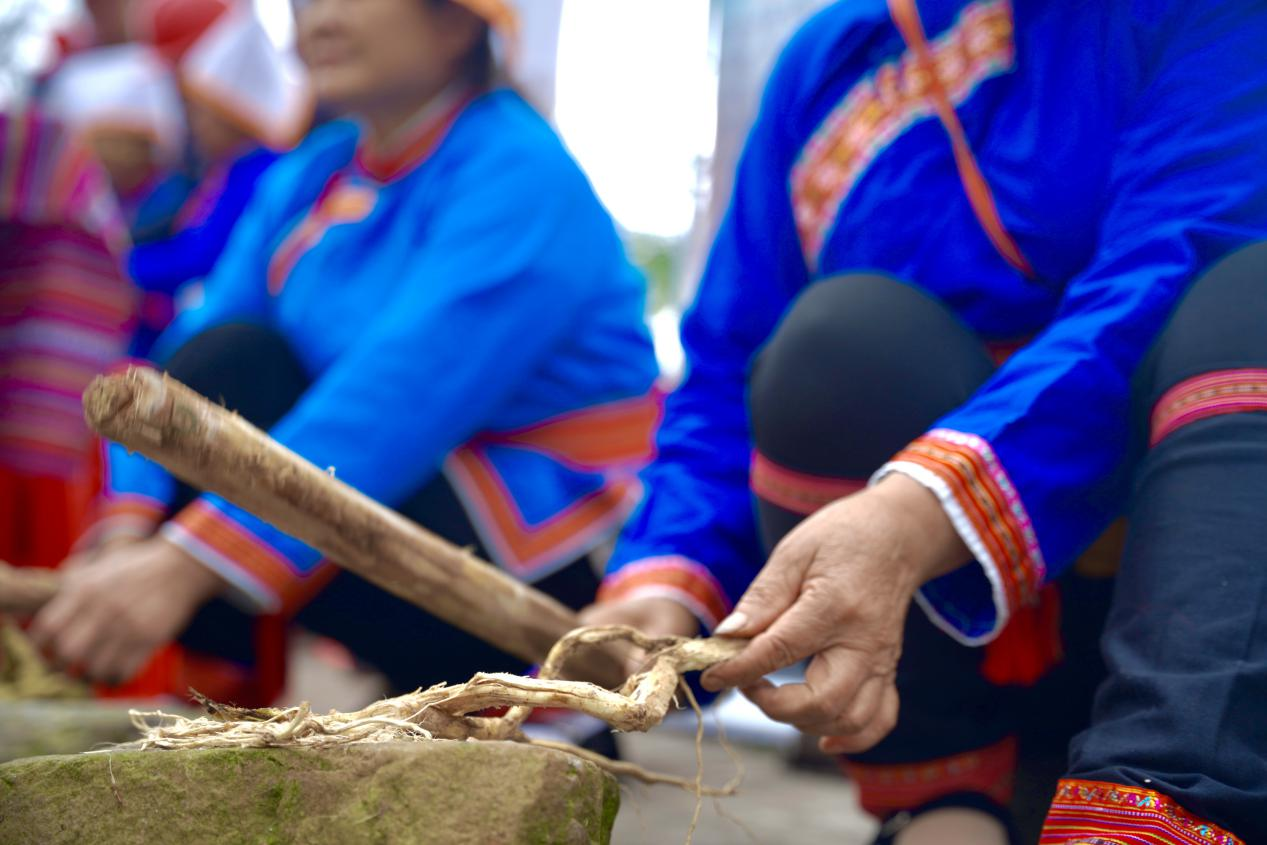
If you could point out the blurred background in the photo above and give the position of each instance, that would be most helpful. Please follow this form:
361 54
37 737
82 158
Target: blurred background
654 97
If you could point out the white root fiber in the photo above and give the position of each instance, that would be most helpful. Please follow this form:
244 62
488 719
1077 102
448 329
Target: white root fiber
452 711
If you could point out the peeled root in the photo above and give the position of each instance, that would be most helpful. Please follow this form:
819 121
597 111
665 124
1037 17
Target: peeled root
24 675
446 712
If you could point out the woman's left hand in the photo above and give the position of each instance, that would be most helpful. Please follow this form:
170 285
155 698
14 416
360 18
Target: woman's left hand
109 618
837 590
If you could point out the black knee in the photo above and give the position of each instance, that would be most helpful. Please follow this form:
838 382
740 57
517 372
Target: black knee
251 369
1221 324
861 365
247 368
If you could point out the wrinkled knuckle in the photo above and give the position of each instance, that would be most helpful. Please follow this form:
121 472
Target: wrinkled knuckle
846 725
820 710
757 598
781 650
846 605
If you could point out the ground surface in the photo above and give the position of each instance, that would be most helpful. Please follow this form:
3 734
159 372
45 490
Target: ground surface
776 804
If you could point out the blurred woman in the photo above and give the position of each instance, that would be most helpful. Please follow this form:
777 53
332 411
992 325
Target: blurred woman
123 102
65 313
427 298
244 103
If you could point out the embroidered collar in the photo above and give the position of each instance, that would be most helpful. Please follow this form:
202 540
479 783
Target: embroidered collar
417 140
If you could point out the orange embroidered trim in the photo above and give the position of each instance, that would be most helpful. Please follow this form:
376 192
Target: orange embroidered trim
613 440
523 548
596 439
798 492
888 789
674 577
339 203
884 104
981 487
434 128
1209 395
1088 812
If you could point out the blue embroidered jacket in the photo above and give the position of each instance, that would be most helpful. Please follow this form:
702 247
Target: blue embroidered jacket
465 306
1125 143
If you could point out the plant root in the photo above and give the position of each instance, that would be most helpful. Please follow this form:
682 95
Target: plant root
453 712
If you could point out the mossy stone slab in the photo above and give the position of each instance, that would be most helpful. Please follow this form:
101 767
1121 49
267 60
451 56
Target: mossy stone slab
441 793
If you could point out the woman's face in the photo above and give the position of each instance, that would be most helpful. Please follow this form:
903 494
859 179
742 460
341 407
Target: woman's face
366 54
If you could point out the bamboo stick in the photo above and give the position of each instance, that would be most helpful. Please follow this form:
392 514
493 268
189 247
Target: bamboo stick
216 450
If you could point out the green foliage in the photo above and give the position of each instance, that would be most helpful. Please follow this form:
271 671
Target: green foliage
662 261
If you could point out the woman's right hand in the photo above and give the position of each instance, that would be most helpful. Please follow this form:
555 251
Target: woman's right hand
111 614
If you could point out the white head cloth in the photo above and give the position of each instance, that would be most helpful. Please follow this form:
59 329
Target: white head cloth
235 69
126 86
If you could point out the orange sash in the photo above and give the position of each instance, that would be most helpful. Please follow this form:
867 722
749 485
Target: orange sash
906 17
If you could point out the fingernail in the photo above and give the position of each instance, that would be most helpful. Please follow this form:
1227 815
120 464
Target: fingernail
732 624
831 745
707 682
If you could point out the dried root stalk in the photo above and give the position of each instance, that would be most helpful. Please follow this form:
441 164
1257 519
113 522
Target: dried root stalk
25 590
25 676
451 712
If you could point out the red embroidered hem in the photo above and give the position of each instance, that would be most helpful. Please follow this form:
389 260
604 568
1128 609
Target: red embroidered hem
1088 812
888 789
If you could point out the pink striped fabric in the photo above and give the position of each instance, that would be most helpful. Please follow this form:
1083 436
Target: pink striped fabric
48 177
65 305
1209 395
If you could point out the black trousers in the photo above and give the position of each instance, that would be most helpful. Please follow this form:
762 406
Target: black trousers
253 371
863 364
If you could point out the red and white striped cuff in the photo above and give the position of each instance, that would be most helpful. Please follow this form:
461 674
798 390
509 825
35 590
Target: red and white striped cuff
258 573
986 510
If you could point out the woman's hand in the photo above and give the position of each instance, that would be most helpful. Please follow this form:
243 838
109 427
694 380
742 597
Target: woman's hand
101 550
654 616
115 609
837 589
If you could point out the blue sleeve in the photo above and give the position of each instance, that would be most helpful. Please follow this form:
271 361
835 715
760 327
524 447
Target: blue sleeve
165 266
1047 438
235 291
502 278
694 538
